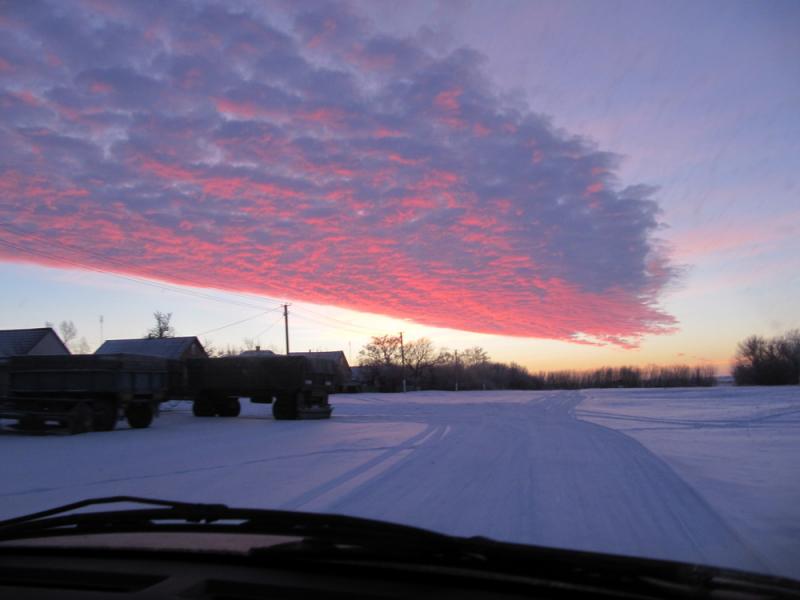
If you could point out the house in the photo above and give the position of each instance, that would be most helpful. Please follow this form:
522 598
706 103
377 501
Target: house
344 375
363 380
176 348
20 342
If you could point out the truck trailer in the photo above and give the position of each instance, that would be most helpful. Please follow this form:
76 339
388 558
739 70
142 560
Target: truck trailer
84 392
296 386
92 392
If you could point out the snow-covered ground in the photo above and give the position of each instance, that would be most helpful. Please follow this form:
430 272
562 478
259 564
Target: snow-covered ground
703 475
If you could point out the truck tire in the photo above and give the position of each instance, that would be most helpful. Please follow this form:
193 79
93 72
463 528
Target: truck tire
229 407
80 419
203 406
139 415
284 408
105 415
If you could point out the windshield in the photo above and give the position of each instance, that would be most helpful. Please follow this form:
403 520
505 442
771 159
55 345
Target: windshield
533 263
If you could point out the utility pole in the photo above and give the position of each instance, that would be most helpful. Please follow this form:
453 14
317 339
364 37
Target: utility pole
286 325
403 361
456 370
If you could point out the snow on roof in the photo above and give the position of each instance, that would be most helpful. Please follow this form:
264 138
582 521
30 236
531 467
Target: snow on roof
175 347
15 342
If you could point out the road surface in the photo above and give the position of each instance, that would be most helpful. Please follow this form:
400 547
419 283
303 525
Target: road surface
509 465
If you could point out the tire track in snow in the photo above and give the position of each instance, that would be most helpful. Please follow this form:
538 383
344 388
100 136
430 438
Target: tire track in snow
329 491
200 469
536 474
676 522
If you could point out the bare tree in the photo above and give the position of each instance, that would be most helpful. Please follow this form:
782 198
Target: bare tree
445 357
82 347
162 328
210 348
68 332
420 354
229 350
774 361
474 356
382 350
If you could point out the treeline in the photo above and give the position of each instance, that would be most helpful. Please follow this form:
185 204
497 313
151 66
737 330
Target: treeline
386 362
774 361
651 376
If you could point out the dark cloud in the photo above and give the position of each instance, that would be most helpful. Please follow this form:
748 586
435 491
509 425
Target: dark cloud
321 162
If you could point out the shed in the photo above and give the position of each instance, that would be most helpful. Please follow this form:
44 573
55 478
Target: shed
22 342
176 348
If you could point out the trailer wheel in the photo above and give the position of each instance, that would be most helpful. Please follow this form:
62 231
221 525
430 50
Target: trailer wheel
105 415
203 407
229 407
284 408
139 415
80 419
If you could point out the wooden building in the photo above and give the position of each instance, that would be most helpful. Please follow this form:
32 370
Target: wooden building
176 348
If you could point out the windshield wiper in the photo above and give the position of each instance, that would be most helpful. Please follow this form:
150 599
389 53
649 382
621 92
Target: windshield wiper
188 507
66 508
167 515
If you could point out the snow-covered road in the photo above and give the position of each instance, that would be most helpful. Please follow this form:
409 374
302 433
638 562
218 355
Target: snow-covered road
518 466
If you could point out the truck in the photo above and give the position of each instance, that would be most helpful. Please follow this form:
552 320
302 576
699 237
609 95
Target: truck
85 392
296 386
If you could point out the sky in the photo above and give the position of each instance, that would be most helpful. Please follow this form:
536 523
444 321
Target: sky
566 184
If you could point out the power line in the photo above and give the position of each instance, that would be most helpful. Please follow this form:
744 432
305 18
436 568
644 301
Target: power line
286 321
403 360
266 312
338 321
266 329
328 325
352 327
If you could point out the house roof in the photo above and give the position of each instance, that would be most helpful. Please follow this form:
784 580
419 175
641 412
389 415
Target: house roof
257 353
174 347
15 342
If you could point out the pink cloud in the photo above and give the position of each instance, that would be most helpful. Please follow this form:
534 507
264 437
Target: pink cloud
243 110
384 132
311 162
98 87
447 100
